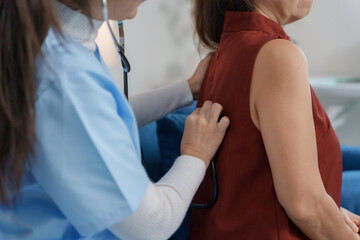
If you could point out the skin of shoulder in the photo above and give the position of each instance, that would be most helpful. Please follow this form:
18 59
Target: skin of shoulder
281 108
279 64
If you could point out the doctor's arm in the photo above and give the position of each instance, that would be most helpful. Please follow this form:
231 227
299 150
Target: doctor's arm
87 160
153 105
283 113
165 203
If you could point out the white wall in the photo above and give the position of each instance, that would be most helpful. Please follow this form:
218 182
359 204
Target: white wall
330 37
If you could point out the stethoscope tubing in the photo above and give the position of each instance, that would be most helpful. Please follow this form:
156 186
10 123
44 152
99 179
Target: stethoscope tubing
215 190
120 48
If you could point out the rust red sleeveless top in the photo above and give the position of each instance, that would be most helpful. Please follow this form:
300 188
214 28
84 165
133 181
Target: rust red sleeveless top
247 206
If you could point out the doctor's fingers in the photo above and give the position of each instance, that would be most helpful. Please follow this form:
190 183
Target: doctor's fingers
205 109
224 123
215 112
206 60
196 112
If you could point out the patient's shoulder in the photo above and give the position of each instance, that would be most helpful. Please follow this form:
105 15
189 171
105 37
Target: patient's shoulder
280 56
280 62
280 72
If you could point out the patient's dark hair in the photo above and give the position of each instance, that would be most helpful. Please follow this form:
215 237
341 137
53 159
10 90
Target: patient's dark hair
209 18
24 25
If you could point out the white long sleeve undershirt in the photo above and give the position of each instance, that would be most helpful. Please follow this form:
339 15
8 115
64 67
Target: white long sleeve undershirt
165 203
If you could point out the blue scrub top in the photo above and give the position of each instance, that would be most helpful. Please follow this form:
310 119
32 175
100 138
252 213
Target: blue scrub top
86 173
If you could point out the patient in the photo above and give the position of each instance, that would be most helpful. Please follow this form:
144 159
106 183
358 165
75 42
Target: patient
279 168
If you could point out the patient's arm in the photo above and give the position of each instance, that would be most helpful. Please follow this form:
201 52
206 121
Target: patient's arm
281 108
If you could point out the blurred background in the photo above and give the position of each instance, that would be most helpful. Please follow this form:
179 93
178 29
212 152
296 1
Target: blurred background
162 49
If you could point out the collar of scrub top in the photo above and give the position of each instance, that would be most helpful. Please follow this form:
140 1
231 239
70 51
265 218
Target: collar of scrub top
120 47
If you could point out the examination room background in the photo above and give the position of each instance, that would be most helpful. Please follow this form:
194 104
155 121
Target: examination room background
161 47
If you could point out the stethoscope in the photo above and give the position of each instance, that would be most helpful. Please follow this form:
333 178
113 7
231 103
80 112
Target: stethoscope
120 47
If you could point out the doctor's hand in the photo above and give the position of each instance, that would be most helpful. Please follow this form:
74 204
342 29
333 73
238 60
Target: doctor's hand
351 219
203 132
197 78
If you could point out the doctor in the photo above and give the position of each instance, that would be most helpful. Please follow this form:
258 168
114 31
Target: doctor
70 163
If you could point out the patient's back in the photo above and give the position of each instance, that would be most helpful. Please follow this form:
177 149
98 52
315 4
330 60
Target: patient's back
247 206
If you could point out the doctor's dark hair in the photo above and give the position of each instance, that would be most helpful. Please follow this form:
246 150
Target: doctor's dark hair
24 25
209 18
